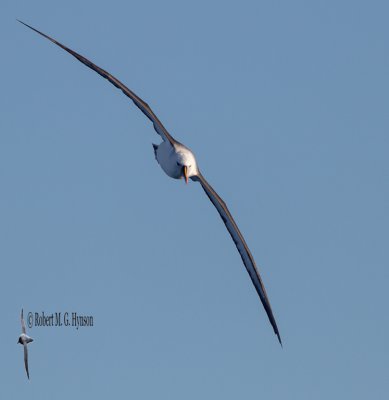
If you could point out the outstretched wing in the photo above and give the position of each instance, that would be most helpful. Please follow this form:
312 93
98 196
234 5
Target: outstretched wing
23 323
144 107
242 247
26 360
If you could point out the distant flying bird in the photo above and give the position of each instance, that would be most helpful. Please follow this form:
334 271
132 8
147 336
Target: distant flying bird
178 162
24 340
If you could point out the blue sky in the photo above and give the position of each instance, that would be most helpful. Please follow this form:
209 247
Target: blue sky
285 106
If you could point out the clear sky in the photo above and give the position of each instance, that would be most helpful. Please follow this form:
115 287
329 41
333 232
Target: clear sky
285 105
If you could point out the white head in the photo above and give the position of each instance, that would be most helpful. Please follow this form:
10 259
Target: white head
187 163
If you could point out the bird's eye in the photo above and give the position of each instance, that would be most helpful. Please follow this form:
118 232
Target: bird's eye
178 163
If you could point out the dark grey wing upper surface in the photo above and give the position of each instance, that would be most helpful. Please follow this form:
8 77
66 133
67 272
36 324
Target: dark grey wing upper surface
144 107
242 247
23 323
26 360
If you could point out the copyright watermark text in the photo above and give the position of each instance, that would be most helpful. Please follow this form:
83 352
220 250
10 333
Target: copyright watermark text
59 319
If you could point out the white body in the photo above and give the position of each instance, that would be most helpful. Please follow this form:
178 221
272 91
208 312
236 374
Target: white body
172 159
24 339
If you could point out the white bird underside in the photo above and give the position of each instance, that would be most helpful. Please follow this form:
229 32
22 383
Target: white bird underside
178 161
173 158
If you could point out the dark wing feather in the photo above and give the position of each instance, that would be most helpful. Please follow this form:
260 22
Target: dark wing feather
26 360
242 247
23 323
144 107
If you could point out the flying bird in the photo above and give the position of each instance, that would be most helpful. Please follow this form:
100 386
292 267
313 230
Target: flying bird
24 340
178 162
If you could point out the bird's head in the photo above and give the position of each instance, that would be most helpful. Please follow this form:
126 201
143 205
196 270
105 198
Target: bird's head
186 162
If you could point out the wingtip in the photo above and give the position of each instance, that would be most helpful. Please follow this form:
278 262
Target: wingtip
279 339
29 26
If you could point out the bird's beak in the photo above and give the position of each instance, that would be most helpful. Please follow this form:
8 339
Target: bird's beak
186 173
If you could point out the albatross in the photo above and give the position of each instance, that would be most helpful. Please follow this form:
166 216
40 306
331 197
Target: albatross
24 339
178 161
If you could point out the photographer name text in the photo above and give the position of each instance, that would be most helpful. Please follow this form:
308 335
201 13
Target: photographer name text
59 319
